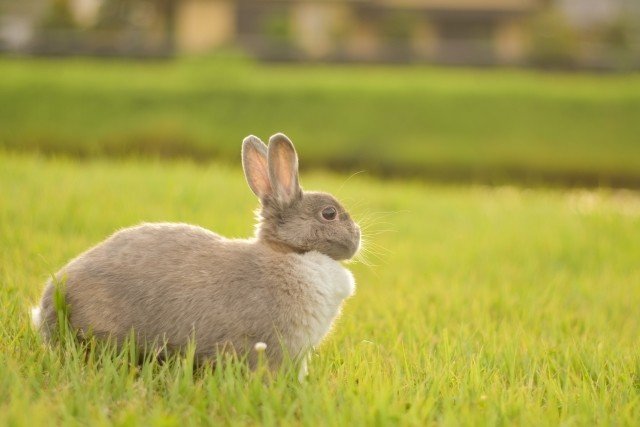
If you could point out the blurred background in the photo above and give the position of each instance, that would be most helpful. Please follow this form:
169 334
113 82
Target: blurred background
465 90
593 34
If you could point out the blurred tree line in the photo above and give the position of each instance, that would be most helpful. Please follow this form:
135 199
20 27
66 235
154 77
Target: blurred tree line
139 25
113 14
555 41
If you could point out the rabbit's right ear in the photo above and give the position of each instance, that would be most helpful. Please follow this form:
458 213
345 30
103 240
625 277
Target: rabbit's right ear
283 168
256 167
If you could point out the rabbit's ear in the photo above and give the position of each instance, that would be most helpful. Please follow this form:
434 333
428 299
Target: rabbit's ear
255 165
283 168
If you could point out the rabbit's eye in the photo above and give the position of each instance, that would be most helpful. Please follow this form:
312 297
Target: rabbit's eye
329 213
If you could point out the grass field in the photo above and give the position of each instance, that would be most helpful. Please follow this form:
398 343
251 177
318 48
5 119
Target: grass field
496 306
478 125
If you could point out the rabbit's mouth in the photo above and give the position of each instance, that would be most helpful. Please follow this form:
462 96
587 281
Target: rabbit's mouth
341 251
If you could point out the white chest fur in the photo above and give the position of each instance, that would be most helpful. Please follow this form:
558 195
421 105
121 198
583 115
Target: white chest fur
327 283
327 276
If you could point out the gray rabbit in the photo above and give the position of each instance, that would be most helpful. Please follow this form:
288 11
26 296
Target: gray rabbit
171 282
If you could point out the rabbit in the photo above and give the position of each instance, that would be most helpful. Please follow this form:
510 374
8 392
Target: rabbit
170 283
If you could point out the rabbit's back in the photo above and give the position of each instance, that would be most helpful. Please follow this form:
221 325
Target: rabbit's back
163 280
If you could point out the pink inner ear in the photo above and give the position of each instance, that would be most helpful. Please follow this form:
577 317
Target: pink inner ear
286 174
262 177
259 173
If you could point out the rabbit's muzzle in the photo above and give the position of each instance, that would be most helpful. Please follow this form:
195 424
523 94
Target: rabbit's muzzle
355 242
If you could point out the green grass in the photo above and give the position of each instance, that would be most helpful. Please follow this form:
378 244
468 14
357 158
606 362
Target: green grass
496 306
482 125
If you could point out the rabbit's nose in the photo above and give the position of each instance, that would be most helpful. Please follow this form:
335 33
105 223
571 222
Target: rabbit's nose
356 240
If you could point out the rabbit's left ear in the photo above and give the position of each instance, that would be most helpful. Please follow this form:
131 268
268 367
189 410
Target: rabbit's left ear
254 163
283 168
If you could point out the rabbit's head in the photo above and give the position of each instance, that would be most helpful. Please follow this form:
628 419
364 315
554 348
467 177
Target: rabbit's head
291 219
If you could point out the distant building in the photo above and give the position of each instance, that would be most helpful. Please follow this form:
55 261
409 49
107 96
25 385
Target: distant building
451 31
587 13
18 20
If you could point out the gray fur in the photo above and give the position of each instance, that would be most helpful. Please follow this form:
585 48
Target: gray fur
169 282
